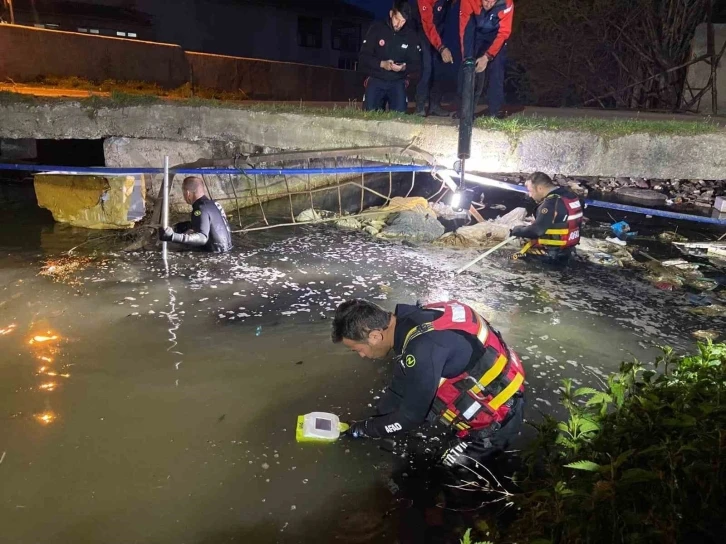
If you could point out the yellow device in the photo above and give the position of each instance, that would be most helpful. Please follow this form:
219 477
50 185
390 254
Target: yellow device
319 427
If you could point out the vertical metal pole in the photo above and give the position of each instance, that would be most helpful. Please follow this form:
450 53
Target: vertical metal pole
466 116
165 207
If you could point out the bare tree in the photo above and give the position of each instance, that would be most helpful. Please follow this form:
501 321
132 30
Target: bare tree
623 53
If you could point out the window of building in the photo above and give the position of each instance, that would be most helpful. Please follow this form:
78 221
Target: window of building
310 32
122 34
94 31
347 64
39 26
82 30
345 36
52 26
131 34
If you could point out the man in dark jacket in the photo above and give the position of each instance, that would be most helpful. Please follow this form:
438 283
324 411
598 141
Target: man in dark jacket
429 23
556 229
390 52
208 229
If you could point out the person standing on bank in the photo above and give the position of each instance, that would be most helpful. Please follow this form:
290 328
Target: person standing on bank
390 52
430 26
208 230
484 28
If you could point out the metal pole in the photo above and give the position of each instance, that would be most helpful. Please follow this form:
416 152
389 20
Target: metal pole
165 207
466 115
480 257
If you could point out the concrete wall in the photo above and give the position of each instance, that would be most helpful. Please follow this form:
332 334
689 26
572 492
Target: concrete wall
28 53
269 80
699 73
650 156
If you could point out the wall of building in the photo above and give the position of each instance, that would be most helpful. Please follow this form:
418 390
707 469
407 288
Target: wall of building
29 53
251 29
699 73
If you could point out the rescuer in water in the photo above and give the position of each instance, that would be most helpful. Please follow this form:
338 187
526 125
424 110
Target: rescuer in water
556 228
208 229
451 367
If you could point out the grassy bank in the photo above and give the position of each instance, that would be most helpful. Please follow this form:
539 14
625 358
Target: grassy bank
114 94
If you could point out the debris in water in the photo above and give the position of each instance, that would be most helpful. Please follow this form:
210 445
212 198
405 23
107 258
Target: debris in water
63 269
705 334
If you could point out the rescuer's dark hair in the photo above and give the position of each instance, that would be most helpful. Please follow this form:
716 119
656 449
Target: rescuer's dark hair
355 319
540 179
403 7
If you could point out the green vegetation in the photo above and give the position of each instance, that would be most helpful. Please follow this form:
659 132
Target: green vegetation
467 539
642 460
140 88
121 94
607 128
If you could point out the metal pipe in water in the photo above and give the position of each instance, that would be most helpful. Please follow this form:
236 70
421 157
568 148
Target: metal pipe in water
466 115
165 207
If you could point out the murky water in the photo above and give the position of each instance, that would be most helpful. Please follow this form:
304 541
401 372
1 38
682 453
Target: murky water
135 408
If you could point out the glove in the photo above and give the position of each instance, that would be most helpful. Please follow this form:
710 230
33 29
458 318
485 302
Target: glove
166 234
358 429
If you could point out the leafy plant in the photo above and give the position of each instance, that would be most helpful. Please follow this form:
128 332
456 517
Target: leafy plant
467 539
640 461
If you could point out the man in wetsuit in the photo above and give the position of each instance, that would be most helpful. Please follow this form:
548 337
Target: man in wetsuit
451 367
208 229
556 229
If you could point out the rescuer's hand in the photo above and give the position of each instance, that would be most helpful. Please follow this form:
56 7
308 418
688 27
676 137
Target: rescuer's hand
398 67
358 429
166 234
446 56
481 64
387 65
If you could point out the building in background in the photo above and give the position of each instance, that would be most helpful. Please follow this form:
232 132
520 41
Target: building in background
323 32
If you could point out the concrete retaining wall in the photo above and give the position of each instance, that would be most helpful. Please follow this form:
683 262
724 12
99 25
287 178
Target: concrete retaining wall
650 156
269 80
29 53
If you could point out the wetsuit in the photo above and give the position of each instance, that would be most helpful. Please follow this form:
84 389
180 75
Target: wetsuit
486 33
556 229
407 403
381 43
209 226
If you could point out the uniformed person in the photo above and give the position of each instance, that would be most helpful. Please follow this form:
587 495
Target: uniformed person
429 20
484 30
208 229
390 52
451 367
556 229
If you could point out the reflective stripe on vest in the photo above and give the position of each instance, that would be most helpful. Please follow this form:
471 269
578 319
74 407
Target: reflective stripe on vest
565 233
465 401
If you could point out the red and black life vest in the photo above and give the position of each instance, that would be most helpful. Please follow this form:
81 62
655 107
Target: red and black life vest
481 395
566 232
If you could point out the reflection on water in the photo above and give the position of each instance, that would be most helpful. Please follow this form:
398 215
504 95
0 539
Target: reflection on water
178 422
45 347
